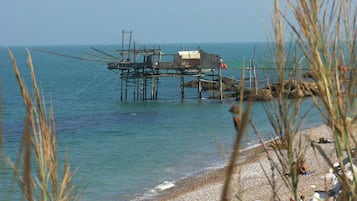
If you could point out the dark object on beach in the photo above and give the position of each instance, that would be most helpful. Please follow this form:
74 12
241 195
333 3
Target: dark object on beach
302 169
308 75
323 141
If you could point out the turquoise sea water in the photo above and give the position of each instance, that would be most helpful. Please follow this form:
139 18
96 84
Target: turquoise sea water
124 149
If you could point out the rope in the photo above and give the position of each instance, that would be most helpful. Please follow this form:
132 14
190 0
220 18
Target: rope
89 86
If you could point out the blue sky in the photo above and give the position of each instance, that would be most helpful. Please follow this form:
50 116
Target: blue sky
40 22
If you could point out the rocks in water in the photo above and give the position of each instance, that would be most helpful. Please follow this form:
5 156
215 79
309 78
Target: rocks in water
231 88
294 89
261 95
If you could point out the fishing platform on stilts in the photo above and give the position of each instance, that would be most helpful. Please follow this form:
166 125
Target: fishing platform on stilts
140 69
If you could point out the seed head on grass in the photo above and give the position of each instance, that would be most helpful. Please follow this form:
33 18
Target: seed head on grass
40 149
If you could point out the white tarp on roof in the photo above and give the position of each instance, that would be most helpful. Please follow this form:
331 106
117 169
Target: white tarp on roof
195 54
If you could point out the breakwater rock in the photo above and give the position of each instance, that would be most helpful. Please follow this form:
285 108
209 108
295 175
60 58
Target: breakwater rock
231 89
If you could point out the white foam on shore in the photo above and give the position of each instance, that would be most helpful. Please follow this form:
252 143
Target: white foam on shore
251 146
155 191
164 186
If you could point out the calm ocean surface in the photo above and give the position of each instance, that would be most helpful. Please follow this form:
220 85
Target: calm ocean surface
124 149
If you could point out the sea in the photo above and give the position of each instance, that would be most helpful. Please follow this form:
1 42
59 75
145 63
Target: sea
125 150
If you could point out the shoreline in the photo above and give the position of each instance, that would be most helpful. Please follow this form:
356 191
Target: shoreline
207 177
208 184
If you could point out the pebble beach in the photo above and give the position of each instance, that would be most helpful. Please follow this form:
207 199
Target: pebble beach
251 175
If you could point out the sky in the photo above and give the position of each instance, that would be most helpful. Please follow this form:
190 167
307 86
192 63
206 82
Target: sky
81 22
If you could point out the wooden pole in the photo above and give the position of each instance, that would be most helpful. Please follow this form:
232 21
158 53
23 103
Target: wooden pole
131 32
121 85
157 87
144 88
122 45
182 87
255 80
152 87
199 87
137 80
250 73
134 52
126 85
220 85
134 89
254 73
213 83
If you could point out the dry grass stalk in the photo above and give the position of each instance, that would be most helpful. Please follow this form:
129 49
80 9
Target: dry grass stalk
27 161
284 115
1 139
326 36
2 161
40 140
240 120
325 33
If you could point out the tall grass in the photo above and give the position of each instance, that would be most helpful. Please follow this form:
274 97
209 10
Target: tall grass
324 33
284 113
240 120
2 162
37 172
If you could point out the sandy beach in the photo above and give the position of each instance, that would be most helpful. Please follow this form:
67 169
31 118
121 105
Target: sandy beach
254 184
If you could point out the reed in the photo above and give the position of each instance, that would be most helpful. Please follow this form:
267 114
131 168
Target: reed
325 34
240 120
2 161
38 173
284 113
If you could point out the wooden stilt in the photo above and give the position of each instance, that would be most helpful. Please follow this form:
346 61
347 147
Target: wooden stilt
220 85
250 73
182 87
213 83
152 87
157 88
126 86
121 85
255 80
134 89
138 89
144 89
199 87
